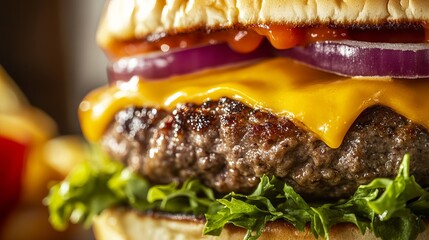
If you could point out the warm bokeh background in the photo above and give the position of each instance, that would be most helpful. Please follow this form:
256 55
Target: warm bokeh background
48 48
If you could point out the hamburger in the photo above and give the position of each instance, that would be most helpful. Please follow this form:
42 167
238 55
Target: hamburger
256 119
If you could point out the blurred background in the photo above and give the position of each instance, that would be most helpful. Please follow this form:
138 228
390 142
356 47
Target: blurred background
48 48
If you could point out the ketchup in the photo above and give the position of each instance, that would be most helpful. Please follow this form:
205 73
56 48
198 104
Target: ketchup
280 36
12 160
426 28
409 35
325 33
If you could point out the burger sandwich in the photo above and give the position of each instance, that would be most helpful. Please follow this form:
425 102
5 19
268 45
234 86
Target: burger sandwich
277 119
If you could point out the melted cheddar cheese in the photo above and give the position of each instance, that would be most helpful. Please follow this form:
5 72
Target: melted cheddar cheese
324 103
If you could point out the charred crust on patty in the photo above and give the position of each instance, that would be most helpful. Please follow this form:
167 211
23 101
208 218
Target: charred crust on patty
228 146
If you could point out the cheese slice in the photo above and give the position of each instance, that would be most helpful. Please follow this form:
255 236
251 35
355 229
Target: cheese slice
324 103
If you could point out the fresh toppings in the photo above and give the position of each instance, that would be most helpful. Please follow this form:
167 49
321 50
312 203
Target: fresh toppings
356 58
325 48
155 66
389 208
383 206
324 103
281 37
102 183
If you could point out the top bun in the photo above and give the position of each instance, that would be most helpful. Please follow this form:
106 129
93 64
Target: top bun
136 19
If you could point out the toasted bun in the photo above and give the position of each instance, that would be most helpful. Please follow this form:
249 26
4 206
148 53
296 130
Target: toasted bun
138 19
120 224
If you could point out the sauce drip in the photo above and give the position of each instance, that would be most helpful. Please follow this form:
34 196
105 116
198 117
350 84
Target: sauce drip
281 37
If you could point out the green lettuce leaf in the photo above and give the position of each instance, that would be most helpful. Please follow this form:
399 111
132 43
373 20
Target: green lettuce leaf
101 183
392 209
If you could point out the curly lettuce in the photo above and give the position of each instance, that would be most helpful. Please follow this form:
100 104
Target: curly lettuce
391 208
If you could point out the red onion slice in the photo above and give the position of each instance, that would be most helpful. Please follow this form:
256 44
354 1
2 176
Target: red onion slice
163 65
356 58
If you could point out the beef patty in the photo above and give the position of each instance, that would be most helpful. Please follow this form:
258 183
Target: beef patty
228 146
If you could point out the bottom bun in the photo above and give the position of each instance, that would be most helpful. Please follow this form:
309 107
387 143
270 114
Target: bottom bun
121 224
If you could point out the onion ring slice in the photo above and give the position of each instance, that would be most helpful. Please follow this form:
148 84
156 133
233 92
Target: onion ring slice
163 65
366 59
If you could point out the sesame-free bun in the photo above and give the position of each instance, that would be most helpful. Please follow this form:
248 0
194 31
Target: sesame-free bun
122 224
136 19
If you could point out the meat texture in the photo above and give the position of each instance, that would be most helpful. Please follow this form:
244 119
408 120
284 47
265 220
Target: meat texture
228 146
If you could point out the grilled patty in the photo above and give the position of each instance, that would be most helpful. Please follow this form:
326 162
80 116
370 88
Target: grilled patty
228 146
